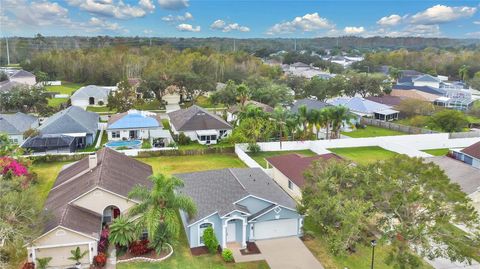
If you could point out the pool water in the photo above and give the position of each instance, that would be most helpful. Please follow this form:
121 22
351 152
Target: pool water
132 144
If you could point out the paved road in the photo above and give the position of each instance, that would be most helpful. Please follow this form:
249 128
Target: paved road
287 253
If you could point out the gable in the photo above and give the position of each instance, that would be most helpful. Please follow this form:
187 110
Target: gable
98 199
61 235
254 204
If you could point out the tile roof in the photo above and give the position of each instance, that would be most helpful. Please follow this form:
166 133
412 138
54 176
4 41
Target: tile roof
114 172
196 118
17 123
71 120
293 165
473 150
309 103
465 175
217 190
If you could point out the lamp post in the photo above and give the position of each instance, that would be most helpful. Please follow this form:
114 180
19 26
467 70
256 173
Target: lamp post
373 243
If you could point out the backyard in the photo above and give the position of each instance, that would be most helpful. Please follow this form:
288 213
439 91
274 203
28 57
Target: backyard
437 152
363 155
372 131
67 88
260 157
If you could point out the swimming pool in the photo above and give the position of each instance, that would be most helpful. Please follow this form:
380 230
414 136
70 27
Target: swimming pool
131 144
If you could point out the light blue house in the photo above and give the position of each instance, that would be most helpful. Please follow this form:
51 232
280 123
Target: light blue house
241 205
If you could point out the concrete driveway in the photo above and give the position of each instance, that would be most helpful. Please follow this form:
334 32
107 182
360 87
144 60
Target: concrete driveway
287 253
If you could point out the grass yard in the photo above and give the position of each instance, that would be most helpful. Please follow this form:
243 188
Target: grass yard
361 259
437 152
101 109
56 102
66 88
184 164
47 173
364 155
262 155
372 131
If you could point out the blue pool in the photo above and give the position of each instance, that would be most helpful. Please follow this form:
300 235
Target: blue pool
131 144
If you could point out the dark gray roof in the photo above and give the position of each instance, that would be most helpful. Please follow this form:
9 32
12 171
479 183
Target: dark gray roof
71 120
217 190
463 174
196 118
114 172
311 104
17 123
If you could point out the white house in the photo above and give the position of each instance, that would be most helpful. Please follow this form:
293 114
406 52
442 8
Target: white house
91 95
199 124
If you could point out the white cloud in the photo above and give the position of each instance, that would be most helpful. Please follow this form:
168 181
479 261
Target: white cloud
173 4
417 31
34 14
476 22
352 30
99 23
391 20
307 23
442 14
178 18
185 27
224 27
473 34
148 31
114 8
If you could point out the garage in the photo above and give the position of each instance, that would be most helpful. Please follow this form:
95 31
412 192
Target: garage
275 228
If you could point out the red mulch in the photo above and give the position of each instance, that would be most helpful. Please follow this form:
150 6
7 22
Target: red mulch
152 255
251 249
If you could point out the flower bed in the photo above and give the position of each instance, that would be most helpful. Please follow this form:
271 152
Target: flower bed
151 256
251 249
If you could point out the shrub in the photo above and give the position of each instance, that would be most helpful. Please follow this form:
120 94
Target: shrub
100 259
101 103
227 255
210 240
146 144
139 247
11 166
183 139
28 265
254 148
103 242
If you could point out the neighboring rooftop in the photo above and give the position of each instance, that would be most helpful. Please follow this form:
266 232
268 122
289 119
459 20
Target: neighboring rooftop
359 105
266 108
388 100
309 103
92 91
134 119
293 166
218 190
473 150
114 172
70 120
7 85
17 123
196 118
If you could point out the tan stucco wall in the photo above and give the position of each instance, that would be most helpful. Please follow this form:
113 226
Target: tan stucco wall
60 256
98 200
61 236
282 180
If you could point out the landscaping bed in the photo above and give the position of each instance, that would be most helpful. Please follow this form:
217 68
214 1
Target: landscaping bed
252 248
152 254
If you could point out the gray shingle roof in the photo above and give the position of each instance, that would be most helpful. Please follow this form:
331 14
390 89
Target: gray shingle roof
196 118
309 103
217 190
71 120
22 74
91 91
17 123
7 85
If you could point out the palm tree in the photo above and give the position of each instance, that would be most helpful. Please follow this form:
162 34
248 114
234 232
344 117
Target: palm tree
303 119
251 111
463 72
291 124
327 115
243 93
122 231
395 73
77 255
319 120
42 263
340 115
280 116
158 207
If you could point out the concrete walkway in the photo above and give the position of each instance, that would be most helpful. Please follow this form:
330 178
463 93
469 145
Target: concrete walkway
287 253
112 258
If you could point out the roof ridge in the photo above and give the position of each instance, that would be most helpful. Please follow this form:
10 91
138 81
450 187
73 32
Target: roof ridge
235 176
100 173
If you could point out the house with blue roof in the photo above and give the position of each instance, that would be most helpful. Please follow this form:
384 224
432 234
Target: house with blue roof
136 125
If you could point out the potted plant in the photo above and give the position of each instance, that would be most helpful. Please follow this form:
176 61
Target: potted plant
77 255
43 262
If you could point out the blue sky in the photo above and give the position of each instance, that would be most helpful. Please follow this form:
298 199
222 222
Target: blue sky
241 19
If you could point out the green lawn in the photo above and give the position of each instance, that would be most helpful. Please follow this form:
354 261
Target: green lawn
364 155
372 131
151 105
437 152
361 259
66 88
262 155
195 145
100 109
56 102
47 173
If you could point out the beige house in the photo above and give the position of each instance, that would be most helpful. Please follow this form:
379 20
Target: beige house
86 196
288 170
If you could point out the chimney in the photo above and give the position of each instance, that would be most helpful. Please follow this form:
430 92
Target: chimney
92 161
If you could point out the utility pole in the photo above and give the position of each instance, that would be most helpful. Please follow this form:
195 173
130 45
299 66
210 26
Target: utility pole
295 44
8 52
234 45
150 41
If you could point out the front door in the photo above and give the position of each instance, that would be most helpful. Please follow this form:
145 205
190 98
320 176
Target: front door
231 232
133 134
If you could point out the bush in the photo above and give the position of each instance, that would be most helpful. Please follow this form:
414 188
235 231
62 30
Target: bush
183 139
103 242
146 144
254 148
100 260
227 255
101 103
210 240
28 265
139 247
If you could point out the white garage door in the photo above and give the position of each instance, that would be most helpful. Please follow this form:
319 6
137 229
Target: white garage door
275 228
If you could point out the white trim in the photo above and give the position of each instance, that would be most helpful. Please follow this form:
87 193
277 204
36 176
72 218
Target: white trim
224 236
251 195
248 214
198 230
63 245
271 210
62 227
202 218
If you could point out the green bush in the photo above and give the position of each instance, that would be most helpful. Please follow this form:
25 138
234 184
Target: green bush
254 148
183 139
146 144
227 255
210 240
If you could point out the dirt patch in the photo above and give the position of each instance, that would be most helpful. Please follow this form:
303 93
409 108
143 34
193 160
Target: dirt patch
251 249
151 255
199 251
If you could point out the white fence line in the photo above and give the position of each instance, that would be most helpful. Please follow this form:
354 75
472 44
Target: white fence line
240 150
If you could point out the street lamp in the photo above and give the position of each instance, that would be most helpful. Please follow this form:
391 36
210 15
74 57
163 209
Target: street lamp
373 243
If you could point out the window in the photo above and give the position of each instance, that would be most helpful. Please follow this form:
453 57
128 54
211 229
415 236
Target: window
116 134
202 228
290 185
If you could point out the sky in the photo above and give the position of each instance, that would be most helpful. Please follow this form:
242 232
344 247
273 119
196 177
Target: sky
241 19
